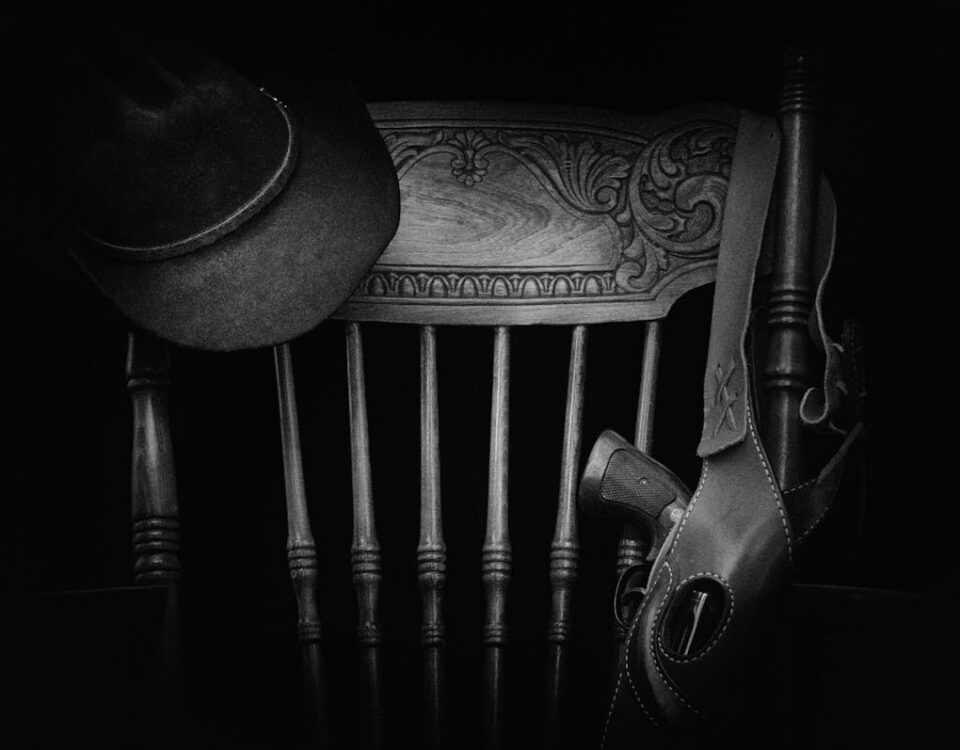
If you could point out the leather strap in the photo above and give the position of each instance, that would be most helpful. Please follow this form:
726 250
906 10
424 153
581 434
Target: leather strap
734 539
738 534
748 198
819 405
807 503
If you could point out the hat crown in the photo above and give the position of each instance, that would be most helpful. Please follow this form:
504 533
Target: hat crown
175 150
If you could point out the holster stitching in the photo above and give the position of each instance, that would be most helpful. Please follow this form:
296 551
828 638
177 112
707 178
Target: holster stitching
723 631
693 502
633 626
814 524
626 669
773 486
799 487
613 702
656 654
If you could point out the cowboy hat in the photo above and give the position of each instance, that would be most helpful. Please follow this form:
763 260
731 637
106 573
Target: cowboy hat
215 213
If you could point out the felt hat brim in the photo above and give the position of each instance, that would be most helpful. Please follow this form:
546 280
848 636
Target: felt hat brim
283 271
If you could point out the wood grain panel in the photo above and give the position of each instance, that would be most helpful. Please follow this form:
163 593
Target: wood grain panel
506 221
514 215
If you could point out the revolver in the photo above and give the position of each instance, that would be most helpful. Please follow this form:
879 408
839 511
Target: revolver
622 481
625 483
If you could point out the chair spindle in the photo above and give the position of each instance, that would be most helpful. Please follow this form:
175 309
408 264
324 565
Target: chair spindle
365 557
155 515
431 550
564 550
787 373
301 548
156 519
496 558
632 549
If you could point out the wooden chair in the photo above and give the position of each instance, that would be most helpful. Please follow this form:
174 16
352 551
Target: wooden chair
511 216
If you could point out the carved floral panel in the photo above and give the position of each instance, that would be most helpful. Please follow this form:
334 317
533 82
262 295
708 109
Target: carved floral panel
492 212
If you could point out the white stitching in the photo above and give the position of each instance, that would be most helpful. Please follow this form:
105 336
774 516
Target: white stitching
626 669
727 621
626 662
613 701
656 659
636 693
676 540
773 486
693 502
800 486
815 523
666 564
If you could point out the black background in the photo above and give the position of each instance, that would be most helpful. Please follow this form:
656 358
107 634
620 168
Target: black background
889 99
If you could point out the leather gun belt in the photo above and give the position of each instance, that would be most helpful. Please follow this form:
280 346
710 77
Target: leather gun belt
686 663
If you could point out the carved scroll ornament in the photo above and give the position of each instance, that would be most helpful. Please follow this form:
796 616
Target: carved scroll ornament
661 198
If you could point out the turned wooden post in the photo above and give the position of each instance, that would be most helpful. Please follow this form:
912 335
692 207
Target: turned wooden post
497 556
301 548
565 549
634 546
787 372
431 550
365 556
155 516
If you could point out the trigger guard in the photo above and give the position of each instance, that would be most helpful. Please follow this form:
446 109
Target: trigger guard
628 586
625 583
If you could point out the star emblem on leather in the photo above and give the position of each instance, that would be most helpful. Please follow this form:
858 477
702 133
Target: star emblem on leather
724 399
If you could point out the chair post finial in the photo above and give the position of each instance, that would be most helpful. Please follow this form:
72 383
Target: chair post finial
790 297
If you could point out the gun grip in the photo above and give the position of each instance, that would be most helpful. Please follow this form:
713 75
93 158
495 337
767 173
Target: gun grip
623 482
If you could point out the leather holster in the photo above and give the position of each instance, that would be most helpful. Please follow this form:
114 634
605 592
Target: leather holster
689 663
